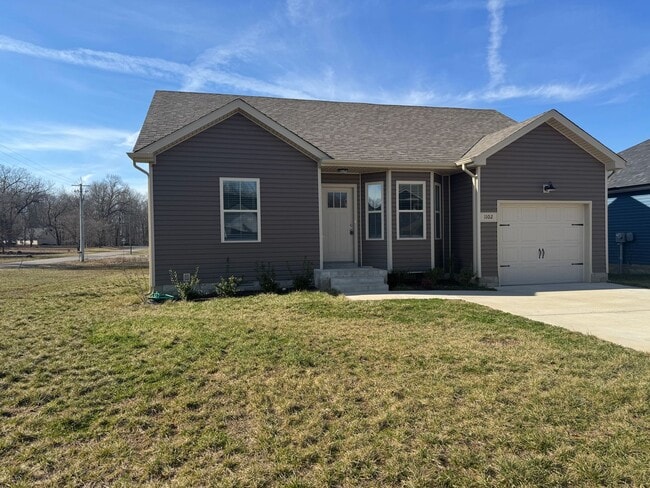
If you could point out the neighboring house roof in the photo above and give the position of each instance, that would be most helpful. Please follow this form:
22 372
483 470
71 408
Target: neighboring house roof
343 132
637 171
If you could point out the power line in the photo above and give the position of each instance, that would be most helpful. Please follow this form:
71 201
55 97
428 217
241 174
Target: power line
25 161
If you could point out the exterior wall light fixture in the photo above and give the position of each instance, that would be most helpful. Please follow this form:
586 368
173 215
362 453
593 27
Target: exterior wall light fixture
548 187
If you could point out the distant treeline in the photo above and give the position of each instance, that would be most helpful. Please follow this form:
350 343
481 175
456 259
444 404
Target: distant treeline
32 211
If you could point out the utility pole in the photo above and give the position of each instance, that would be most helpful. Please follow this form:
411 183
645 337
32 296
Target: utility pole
82 243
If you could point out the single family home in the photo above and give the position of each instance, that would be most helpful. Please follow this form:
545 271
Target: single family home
359 189
629 212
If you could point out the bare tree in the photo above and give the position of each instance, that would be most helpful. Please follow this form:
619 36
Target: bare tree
60 216
19 190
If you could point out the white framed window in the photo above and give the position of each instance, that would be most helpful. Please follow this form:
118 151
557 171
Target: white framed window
240 209
374 211
437 211
411 210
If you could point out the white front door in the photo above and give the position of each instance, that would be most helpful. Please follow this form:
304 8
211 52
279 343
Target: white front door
338 223
541 243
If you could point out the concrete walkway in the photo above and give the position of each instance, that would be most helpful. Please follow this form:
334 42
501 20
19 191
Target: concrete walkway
615 313
74 257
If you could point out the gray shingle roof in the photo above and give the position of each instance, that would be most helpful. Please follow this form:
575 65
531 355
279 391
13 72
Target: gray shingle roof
345 131
489 140
637 171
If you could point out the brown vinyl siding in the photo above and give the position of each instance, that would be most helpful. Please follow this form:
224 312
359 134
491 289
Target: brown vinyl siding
411 255
186 203
374 251
446 185
461 222
439 242
518 171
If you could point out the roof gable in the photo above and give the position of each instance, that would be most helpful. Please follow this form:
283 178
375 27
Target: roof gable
147 152
492 143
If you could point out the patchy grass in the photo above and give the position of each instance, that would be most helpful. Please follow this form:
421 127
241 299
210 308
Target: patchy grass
631 279
304 390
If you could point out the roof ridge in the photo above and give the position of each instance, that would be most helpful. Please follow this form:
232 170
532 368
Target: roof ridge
316 100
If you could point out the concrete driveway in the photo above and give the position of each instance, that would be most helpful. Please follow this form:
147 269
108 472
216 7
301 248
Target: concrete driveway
74 257
615 313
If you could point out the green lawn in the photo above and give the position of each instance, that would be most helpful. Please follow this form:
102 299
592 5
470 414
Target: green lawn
304 389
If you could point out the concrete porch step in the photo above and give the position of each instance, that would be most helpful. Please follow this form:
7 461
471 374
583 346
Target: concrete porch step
352 280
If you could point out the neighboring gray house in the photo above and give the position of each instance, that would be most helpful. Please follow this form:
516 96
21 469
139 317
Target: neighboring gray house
629 210
355 185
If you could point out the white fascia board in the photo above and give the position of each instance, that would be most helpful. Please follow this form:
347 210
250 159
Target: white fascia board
394 165
148 153
616 162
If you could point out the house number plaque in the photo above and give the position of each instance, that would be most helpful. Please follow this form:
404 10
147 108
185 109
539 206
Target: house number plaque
489 217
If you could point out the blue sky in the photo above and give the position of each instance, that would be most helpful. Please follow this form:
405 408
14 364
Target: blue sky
77 76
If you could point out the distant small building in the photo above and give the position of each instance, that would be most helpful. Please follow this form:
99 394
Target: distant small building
42 237
629 211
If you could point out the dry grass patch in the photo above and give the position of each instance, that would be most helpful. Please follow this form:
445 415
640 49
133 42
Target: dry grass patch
304 390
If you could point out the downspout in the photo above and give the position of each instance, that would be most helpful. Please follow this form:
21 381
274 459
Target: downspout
135 165
475 220
152 276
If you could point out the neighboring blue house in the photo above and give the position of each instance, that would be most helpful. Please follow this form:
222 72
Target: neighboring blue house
629 210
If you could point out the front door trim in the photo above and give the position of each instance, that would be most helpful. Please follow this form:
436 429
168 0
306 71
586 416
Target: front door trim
353 188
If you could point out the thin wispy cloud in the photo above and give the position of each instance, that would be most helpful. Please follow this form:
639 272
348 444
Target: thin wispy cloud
222 67
191 77
297 9
53 137
496 67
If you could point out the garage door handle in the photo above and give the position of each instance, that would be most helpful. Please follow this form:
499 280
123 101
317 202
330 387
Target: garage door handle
543 253
539 253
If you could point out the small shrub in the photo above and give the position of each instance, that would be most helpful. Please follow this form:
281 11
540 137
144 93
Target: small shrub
186 290
266 277
432 277
305 279
228 287
398 278
466 277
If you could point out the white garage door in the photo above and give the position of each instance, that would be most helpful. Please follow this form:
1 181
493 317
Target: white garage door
541 243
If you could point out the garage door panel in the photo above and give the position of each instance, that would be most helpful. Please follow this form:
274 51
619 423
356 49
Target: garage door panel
541 243
510 214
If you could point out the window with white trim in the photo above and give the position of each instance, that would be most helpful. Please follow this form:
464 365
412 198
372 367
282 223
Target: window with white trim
374 211
240 209
411 216
437 211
